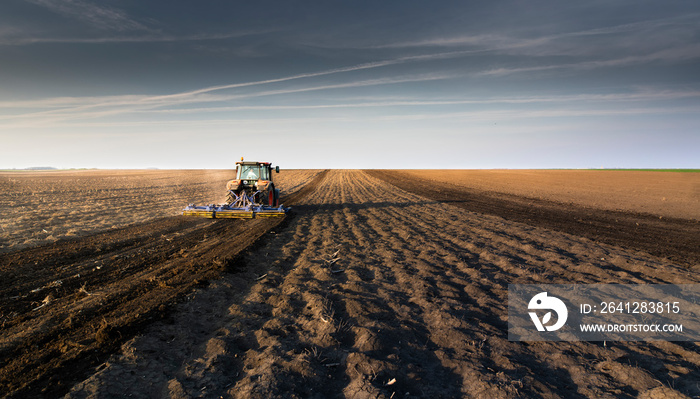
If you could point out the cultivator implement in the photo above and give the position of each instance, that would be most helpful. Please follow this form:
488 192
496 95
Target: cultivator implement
243 206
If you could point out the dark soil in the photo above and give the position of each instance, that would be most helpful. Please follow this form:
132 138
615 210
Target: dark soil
65 307
368 291
374 292
675 239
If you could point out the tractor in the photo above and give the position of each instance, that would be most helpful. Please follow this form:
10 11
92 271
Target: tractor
251 194
254 179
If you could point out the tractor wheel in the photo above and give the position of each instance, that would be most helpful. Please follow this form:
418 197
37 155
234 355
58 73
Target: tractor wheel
230 198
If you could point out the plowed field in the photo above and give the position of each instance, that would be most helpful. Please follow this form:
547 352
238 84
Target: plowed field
42 207
367 290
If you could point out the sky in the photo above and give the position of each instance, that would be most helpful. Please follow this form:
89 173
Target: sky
350 84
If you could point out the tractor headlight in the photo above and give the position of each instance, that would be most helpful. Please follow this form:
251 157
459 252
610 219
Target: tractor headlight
245 182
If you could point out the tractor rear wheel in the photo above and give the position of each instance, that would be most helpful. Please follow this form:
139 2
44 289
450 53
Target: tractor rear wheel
230 197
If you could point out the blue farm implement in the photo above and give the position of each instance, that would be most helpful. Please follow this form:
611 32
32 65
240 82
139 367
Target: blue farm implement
251 194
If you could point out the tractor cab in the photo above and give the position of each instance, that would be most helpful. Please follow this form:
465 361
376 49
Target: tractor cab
248 173
252 176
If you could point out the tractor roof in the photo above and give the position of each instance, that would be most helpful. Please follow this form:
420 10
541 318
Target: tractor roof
252 163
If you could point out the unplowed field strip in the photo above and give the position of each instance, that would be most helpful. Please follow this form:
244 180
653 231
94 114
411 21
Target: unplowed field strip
372 291
675 239
65 307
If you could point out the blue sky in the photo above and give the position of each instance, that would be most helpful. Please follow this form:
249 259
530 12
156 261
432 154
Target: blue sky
361 84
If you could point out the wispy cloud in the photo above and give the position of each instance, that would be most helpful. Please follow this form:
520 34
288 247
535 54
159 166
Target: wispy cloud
481 40
686 21
359 67
664 33
99 16
81 106
503 107
687 52
641 95
16 38
543 117
64 109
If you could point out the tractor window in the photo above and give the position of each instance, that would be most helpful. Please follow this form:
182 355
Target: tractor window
249 172
265 173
